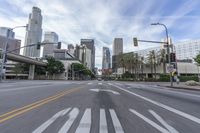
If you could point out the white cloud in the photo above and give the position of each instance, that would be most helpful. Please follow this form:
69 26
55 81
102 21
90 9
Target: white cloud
103 20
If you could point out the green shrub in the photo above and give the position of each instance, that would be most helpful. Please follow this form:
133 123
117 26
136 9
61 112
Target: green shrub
187 78
164 78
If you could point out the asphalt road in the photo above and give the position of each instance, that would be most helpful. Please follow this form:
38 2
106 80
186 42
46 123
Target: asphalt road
96 107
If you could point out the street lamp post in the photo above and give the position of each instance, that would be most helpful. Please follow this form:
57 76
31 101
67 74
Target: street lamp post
168 50
5 50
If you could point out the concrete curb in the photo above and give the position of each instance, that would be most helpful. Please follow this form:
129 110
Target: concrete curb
183 88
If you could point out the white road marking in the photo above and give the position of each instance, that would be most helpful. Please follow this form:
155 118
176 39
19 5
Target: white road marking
128 87
103 124
160 88
161 129
117 125
100 83
85 123
89 83
24 88
98 90
178 112
72 116
41 128
118 83
164 123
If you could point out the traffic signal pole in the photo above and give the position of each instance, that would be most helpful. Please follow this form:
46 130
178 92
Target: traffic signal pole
167 43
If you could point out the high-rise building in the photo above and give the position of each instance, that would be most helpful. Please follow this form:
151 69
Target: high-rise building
33 33
71 48
184 50
13 44
84 55
50 37
187 49
5 30
106 58
117 49
89 43
117 46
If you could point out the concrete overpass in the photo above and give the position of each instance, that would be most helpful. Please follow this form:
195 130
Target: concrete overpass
27 60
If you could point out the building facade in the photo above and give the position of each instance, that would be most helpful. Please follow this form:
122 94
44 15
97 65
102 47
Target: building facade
184 50
33 33
50 37
117 50
187 49
106 58
13 44
84 54
89 43
5 30
117 46
71 49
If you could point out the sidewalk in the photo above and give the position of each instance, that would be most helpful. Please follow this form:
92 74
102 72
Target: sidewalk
181 85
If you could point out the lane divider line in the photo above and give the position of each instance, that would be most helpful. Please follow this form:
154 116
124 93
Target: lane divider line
161 129
163 122
171 109
34 105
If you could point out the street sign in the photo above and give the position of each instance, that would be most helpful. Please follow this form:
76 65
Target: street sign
170 68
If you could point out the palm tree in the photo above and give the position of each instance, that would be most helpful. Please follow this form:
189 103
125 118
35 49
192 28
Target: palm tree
163 59
152 62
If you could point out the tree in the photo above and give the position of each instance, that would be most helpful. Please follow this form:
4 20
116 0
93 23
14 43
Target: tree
152 62
81 71
197 59
54 66
40 70
161 58
20 68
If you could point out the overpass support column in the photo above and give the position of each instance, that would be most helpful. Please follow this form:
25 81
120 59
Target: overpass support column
31 72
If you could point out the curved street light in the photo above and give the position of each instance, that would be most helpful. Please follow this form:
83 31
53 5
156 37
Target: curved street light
168 51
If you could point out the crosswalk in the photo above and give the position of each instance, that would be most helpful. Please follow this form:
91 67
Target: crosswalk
85 123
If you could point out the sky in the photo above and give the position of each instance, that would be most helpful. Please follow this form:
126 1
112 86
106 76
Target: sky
104 20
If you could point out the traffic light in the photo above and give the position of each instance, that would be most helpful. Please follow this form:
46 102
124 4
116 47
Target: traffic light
59 45
172 57
135 41
38 45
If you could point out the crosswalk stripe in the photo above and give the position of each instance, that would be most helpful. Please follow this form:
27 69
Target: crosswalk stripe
103 124
72 116
100 83
41 128
85 123
116 123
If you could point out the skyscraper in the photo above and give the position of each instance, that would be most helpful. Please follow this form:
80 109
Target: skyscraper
106 58
84 55
117 50
13 43
4 31
33 33
117 46
71 49
90 45
50 37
